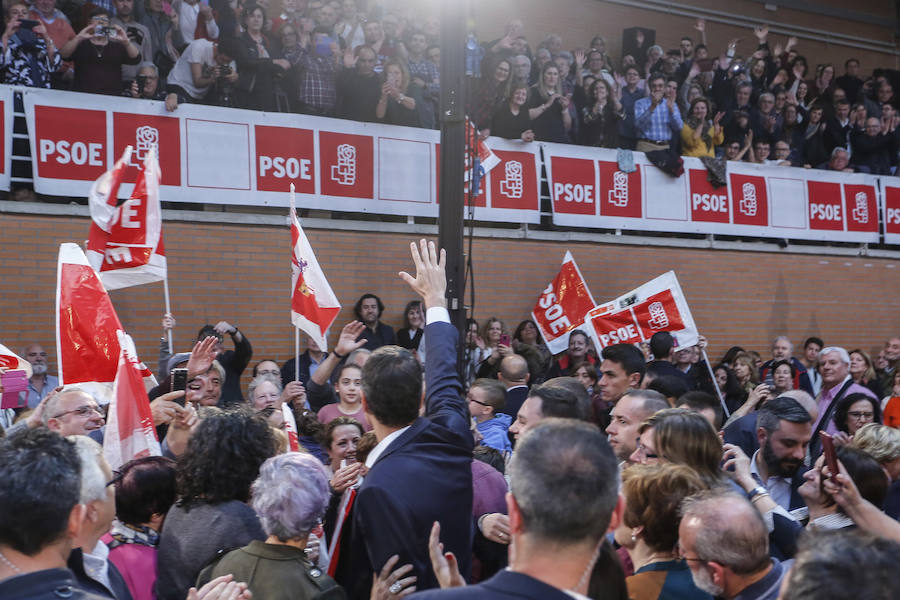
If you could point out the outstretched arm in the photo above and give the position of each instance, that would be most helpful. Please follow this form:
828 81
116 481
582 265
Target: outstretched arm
445 404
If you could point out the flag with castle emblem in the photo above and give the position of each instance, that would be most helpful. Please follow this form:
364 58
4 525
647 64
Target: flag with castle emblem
314 307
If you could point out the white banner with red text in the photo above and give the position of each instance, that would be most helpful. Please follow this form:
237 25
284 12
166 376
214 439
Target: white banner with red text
229 156
658 305
587 189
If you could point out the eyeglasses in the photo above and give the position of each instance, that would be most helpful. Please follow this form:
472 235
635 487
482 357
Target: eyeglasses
268 372
81 411
471 398
861 416
679 553
41 354
646 452
117 477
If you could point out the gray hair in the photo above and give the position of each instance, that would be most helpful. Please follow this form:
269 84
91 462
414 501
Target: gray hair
290 495
219 369
848 563
842 353
768 95
838 149
783 337
653 401
351 358
93 479
566 55
564 478
731 531
148 65
259 380
520 58
51 407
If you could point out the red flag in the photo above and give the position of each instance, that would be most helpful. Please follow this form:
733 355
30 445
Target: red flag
290 427
129 425
314 307
562 306
125 244
87 343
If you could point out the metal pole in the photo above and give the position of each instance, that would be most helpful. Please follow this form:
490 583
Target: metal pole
453 142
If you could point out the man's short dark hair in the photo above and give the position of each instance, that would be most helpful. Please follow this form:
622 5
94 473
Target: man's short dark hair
654 76
357 308
562 397
206 331
850 60
661 344
813 340
564 478
700 47
688 38
626 355
841 102
670 386
697 401
849 563
779 409
229 46
40 483
392 383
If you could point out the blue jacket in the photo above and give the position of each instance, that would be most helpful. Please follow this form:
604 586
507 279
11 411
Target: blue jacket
494 431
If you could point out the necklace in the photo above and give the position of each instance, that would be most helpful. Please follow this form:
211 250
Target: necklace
9 564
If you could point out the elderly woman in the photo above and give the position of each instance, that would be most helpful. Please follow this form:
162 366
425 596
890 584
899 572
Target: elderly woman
214 475
145 490
883 444
852 412
290 496
649 530
683 437
783 373
264 395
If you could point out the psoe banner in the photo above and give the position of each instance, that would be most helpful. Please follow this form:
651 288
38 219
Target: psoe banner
890 187
6 131
587 189
230 156
658 305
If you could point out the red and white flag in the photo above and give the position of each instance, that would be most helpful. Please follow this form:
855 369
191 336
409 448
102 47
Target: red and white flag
129 424
658 305
87 327
125 244
562 306
10 361
290 427
314 307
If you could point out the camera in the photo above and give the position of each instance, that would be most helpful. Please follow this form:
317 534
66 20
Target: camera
105 30
224 71
141 83
27 24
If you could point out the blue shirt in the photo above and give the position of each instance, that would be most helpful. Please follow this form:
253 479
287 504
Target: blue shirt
657 125
33 396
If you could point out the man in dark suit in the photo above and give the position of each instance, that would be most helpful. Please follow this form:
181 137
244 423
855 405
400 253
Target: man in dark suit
420 471
563 499
662 345
514 375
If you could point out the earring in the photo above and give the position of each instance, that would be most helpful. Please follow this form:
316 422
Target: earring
633 537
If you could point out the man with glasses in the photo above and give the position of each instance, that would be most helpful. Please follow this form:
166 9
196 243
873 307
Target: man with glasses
725 542
41 383
72 412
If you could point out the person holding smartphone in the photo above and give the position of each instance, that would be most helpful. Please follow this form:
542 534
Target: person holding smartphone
29 54
99 51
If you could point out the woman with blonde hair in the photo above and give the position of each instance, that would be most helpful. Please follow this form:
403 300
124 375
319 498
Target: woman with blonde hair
548 108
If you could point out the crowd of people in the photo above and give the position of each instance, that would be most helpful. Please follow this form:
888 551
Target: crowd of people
361 60
376 470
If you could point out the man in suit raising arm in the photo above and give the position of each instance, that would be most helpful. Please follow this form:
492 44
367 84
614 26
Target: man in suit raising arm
420 470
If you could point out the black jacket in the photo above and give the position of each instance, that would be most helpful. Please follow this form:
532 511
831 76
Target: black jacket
49 584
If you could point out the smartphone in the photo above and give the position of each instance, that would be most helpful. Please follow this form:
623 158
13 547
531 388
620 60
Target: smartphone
829 452
27 24
167 8
504 339
179 383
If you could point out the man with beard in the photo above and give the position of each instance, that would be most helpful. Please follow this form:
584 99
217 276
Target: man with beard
783 429
725 542
40 383
368 310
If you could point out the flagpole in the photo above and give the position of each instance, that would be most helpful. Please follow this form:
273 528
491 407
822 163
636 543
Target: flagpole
715 383
296 329
168 309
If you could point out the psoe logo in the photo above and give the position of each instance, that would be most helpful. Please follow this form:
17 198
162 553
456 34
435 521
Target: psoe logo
618 196
512 184
658 317
344 172
861 211
146 138
748 204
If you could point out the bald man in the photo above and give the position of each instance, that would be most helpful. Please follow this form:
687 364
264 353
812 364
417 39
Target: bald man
72 412
514 375
725 543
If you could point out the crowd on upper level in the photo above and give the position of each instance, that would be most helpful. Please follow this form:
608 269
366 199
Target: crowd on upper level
365 61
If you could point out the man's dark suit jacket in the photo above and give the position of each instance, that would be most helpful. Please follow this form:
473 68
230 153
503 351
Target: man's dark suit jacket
423 476
515 398
505 584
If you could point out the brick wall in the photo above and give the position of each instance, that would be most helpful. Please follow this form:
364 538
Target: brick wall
241 273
